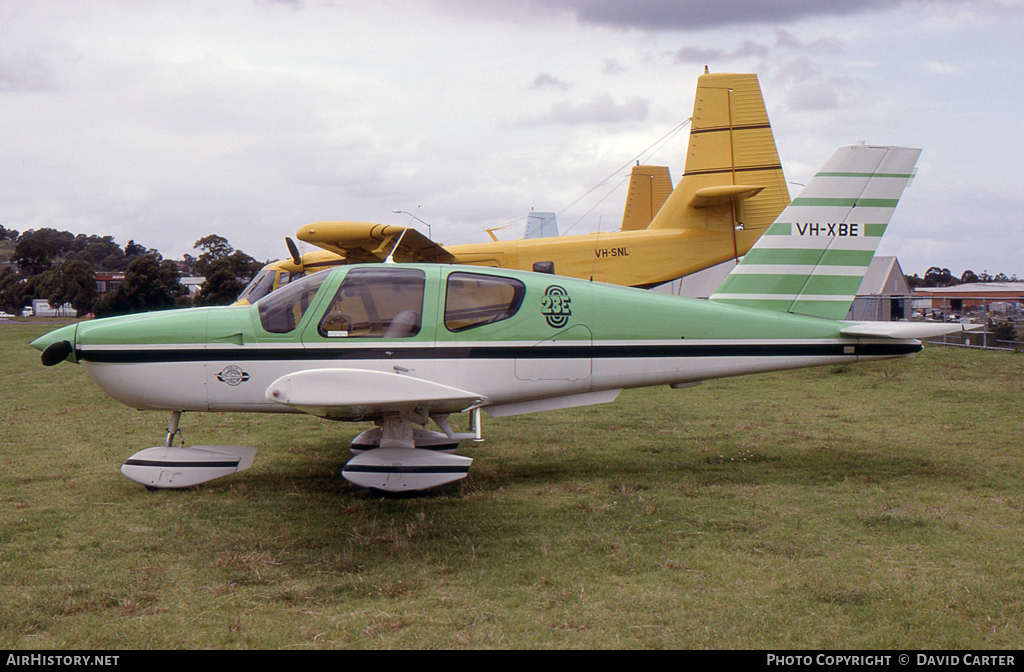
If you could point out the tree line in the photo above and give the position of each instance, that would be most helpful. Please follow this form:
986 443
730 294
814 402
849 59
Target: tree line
61 267
942 277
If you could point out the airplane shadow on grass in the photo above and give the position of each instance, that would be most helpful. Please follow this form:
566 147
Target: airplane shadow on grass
318 470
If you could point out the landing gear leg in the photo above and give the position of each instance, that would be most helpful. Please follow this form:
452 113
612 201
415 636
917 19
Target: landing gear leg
172 429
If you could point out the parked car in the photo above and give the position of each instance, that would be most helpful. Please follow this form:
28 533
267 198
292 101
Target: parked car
3 315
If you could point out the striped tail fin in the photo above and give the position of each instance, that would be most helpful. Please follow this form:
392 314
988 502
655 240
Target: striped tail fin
812 260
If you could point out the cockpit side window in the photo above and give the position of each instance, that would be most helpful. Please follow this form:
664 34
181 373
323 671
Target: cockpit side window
473 300
281 311
376 303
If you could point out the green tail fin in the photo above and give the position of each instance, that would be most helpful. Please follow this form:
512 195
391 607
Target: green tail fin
812 260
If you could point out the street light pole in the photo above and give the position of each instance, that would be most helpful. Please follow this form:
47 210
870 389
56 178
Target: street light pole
404 212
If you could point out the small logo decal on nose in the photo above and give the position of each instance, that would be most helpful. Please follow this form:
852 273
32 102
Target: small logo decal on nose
555 306
232 375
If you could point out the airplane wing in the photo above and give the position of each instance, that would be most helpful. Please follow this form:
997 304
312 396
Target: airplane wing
361 242
906 329
352 394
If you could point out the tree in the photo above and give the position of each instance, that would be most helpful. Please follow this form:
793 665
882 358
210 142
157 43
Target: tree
72 282
214 248
34 256
133 249
103 254
8 234
13 290
938 277
968 276
148 285
62 242
226 278
221 286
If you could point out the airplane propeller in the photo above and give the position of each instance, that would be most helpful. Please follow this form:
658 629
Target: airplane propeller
55 353
294 251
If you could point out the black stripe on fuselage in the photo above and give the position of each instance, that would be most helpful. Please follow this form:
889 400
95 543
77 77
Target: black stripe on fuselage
682 350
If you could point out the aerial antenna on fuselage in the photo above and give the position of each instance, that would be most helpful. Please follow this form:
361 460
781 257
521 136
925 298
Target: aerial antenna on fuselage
597 241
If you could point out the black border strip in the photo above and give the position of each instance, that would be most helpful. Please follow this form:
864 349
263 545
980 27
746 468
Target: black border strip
688 350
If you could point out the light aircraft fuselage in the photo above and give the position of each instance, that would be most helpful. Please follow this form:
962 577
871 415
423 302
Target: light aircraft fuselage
519 341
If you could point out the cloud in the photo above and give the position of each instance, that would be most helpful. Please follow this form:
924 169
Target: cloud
938 68
546 81
784 41
27 73
600 109
694 15
697 14
808 89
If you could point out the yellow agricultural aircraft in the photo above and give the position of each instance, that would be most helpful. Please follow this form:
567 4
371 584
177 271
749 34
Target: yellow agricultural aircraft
732 189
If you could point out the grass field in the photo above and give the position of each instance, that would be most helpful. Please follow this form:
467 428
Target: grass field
873 506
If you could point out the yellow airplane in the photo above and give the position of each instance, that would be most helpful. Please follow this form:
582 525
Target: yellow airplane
732 189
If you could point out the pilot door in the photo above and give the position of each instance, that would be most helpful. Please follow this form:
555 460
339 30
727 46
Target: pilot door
380 318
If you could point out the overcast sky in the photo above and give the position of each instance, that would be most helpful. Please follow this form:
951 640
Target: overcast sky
165 121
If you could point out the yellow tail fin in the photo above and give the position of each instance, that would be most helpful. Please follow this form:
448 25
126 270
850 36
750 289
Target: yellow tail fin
733 175
649 188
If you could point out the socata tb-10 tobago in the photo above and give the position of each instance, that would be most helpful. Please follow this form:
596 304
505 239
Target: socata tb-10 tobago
404 344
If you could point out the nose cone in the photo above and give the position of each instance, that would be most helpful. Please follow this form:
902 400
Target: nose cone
57 346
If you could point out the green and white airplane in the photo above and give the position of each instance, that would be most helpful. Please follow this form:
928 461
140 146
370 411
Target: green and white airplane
405 344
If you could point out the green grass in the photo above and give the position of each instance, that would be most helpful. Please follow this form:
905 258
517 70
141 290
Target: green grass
879 505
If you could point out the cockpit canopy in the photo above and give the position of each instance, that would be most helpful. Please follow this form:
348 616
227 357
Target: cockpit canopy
387 302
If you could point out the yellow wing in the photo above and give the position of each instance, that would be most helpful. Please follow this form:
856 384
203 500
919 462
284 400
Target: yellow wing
361 242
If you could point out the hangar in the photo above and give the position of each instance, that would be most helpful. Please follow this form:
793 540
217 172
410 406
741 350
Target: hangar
973 298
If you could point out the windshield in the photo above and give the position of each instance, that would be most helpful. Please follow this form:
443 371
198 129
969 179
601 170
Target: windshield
260 286
281 311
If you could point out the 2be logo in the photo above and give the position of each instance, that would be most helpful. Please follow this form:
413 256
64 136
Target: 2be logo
554 306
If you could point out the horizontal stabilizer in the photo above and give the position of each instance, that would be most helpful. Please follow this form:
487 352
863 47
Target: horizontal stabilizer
346 394
711 196
906 329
